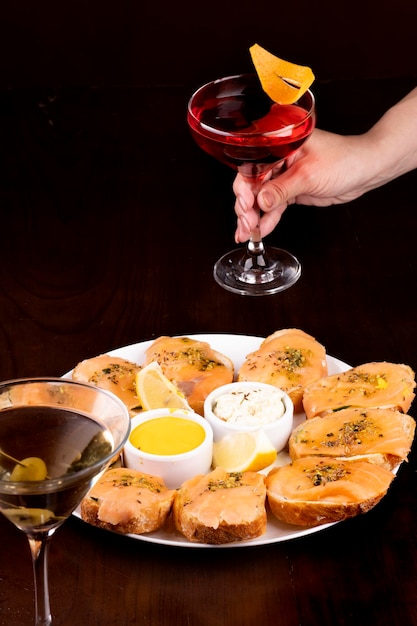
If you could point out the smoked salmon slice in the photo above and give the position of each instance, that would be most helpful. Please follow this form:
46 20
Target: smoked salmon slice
384 434
318 490
289 359
127 501
221 507
112 373
193 366
372 385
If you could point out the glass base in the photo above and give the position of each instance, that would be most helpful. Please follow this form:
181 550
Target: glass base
249 275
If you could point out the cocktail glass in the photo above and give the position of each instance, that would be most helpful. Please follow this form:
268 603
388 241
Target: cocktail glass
235 121
73 428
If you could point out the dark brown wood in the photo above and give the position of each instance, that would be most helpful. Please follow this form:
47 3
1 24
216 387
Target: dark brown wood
111 222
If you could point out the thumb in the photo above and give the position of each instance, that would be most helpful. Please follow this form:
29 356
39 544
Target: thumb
279 191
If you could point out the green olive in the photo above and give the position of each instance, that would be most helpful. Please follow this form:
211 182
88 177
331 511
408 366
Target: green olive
32 468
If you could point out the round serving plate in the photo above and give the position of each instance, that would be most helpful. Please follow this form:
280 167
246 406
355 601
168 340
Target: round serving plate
236 347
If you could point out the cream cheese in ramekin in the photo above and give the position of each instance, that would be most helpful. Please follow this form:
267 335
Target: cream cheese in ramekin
250 407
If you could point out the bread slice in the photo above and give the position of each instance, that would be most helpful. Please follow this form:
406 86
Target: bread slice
385 434
192 365
112 373
221 507
318 490
289 359
127 501
371 385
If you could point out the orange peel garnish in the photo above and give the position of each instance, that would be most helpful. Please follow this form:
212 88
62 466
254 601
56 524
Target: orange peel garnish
284 82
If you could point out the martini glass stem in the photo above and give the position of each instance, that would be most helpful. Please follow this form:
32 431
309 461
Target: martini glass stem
39 549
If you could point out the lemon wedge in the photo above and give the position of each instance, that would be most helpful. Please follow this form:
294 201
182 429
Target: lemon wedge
156 391
244 452
284 82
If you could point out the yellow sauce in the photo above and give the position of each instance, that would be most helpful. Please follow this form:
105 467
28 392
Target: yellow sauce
167 435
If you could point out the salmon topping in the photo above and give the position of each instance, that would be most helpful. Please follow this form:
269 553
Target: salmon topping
289 359
222 497
327 479
351 432
112 373
118 493
372 385
193 366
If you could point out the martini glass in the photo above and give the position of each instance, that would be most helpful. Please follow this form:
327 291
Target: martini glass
236 122
56 437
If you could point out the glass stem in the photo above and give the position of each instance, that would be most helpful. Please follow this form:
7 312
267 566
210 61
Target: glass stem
255 246
39 549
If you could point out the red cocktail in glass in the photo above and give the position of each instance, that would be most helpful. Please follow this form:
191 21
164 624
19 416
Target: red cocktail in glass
235 121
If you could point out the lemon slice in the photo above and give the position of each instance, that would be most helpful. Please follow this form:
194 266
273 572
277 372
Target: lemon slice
284 82
156 391
244 452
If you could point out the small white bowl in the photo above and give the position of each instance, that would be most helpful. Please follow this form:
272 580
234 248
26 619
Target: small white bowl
175 468
278 429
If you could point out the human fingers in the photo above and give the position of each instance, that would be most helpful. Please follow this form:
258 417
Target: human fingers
246 223
244 196
246 214
242 232
270 220
278 192
292 178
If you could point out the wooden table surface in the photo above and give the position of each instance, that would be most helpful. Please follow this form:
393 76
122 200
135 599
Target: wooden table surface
112 220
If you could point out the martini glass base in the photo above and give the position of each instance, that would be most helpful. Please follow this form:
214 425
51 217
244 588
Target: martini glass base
241 273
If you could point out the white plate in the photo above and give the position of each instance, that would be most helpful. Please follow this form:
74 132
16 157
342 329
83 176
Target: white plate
236 347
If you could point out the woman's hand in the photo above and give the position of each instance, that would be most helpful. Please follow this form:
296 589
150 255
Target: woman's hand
333 169
326 170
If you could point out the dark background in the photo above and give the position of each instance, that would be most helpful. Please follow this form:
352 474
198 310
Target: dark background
128 42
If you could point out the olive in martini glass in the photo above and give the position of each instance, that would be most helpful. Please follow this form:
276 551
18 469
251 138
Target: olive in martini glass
56 437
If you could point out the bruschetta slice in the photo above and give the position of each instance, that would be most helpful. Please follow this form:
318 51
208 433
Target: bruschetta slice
289 359
221 507
372 385
112 373
382 434
312 491
192 365
127 501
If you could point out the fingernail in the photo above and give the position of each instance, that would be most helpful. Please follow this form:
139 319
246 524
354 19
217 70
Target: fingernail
267 199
